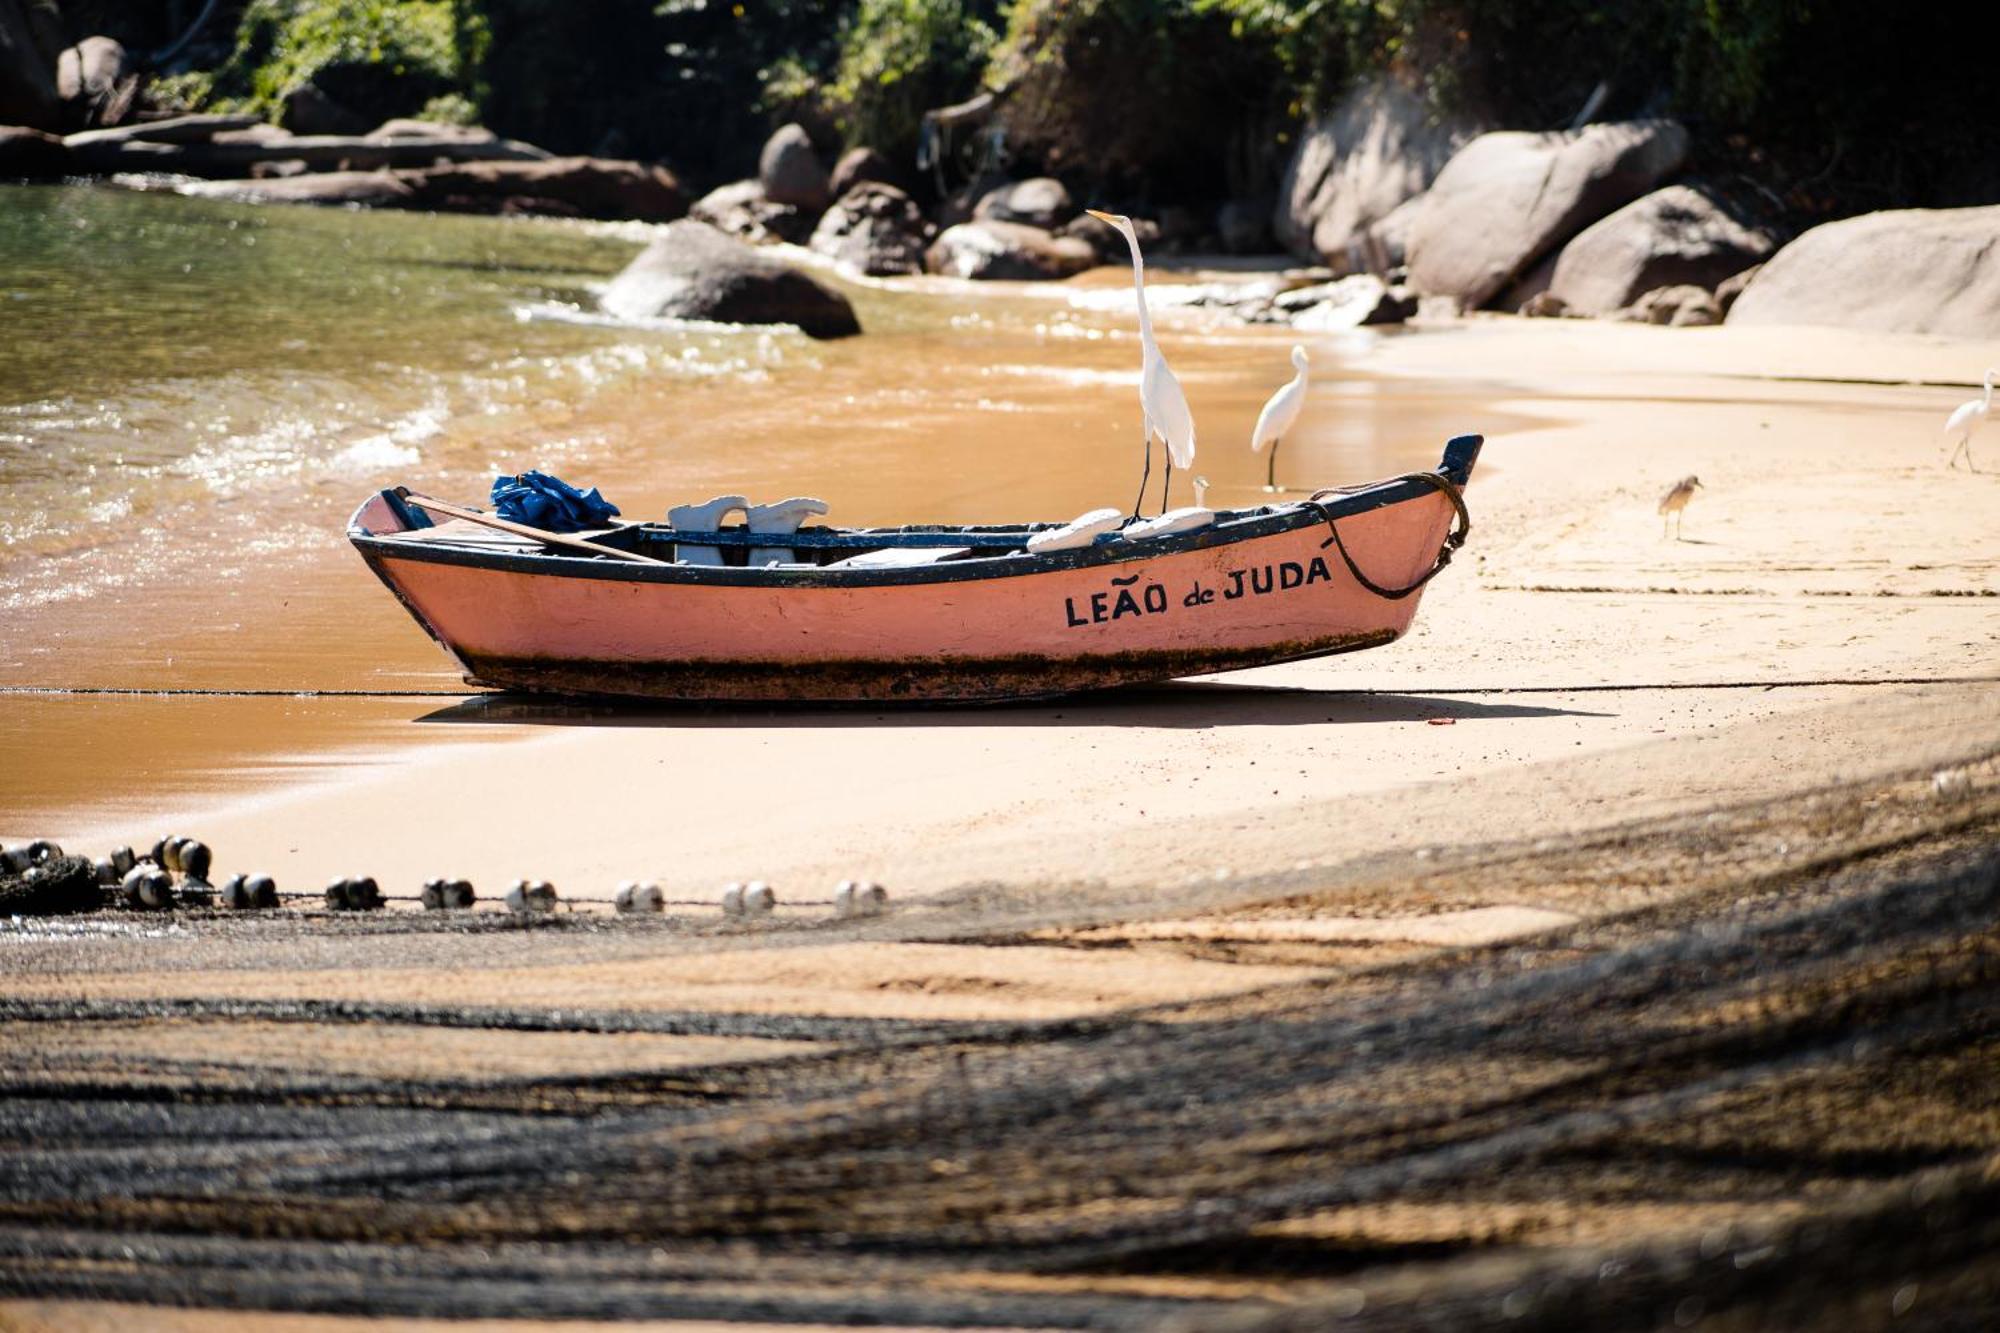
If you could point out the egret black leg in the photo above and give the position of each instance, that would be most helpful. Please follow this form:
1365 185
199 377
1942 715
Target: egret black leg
1168 484
1271 467
1144 477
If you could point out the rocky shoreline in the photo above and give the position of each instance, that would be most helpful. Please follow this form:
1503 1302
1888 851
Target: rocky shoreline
1405 207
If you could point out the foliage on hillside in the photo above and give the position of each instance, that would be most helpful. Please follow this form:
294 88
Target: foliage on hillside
1838 106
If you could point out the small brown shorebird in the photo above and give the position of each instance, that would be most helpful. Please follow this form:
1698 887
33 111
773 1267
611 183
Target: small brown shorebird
1674 502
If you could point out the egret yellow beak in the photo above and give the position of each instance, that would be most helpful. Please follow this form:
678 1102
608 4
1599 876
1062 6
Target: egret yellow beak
1102 217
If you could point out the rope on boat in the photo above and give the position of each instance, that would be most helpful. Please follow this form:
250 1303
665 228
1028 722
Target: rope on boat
1452 540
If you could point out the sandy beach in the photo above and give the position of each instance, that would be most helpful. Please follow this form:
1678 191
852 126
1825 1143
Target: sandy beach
1830 562
1599 750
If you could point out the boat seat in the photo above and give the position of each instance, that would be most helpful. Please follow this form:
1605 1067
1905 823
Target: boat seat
780 516
704 517
1171 522
1079 531
898 557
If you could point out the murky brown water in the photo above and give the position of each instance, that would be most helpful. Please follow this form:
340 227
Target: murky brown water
175 476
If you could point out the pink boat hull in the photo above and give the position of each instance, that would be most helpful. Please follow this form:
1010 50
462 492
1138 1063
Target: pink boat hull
1021 631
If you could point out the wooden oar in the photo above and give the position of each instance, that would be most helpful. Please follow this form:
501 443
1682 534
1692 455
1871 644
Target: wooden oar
522 529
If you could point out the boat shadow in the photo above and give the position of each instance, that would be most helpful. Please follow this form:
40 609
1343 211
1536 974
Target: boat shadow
1187 704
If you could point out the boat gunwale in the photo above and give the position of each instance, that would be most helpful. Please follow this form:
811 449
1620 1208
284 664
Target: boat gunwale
1460 453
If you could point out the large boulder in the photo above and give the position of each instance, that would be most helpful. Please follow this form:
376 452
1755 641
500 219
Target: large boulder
309 110
1008 250
31 41
742 209
370 189
790 170
27 154
874 229
1679 236
1916 270
862 164
1379 149
578 186
1107 240
1041 201
693 271
92 81
1509 198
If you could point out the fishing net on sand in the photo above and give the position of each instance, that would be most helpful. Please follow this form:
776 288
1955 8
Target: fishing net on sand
1838 1037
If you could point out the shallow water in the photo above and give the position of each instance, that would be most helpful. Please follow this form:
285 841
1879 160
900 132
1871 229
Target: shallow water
195 395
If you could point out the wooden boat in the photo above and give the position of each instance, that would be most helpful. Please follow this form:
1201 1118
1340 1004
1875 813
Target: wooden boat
914 613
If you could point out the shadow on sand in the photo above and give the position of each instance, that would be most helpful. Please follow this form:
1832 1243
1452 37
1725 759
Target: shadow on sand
1181 704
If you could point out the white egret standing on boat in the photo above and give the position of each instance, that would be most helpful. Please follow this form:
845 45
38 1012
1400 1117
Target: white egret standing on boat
1675 502
1966 418
1163 405
1280 414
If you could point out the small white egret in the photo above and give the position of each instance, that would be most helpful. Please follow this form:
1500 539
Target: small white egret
1280 414
1164 406
1967 418
1675 502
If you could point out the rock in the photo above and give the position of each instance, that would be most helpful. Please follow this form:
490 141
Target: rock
283 169
1679 236
862 164
1732 287
740 209
1544 305
958 205
408 128
88 79
1529 285
1934 271
374 189
1008 250
1243 226
1507 199
1348 303
1388 241
859 165
310 111
586 187
31 42
693 271
1379 149
259 134
60 887
1105 239
874 229
1041 201
791 172
31 155
1682 305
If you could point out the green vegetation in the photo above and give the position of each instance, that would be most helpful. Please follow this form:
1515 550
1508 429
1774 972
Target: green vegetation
367 55
898 59
1155 100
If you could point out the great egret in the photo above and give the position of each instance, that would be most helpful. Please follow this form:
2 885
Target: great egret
1280 414
1967 418
1164 406
1675 503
